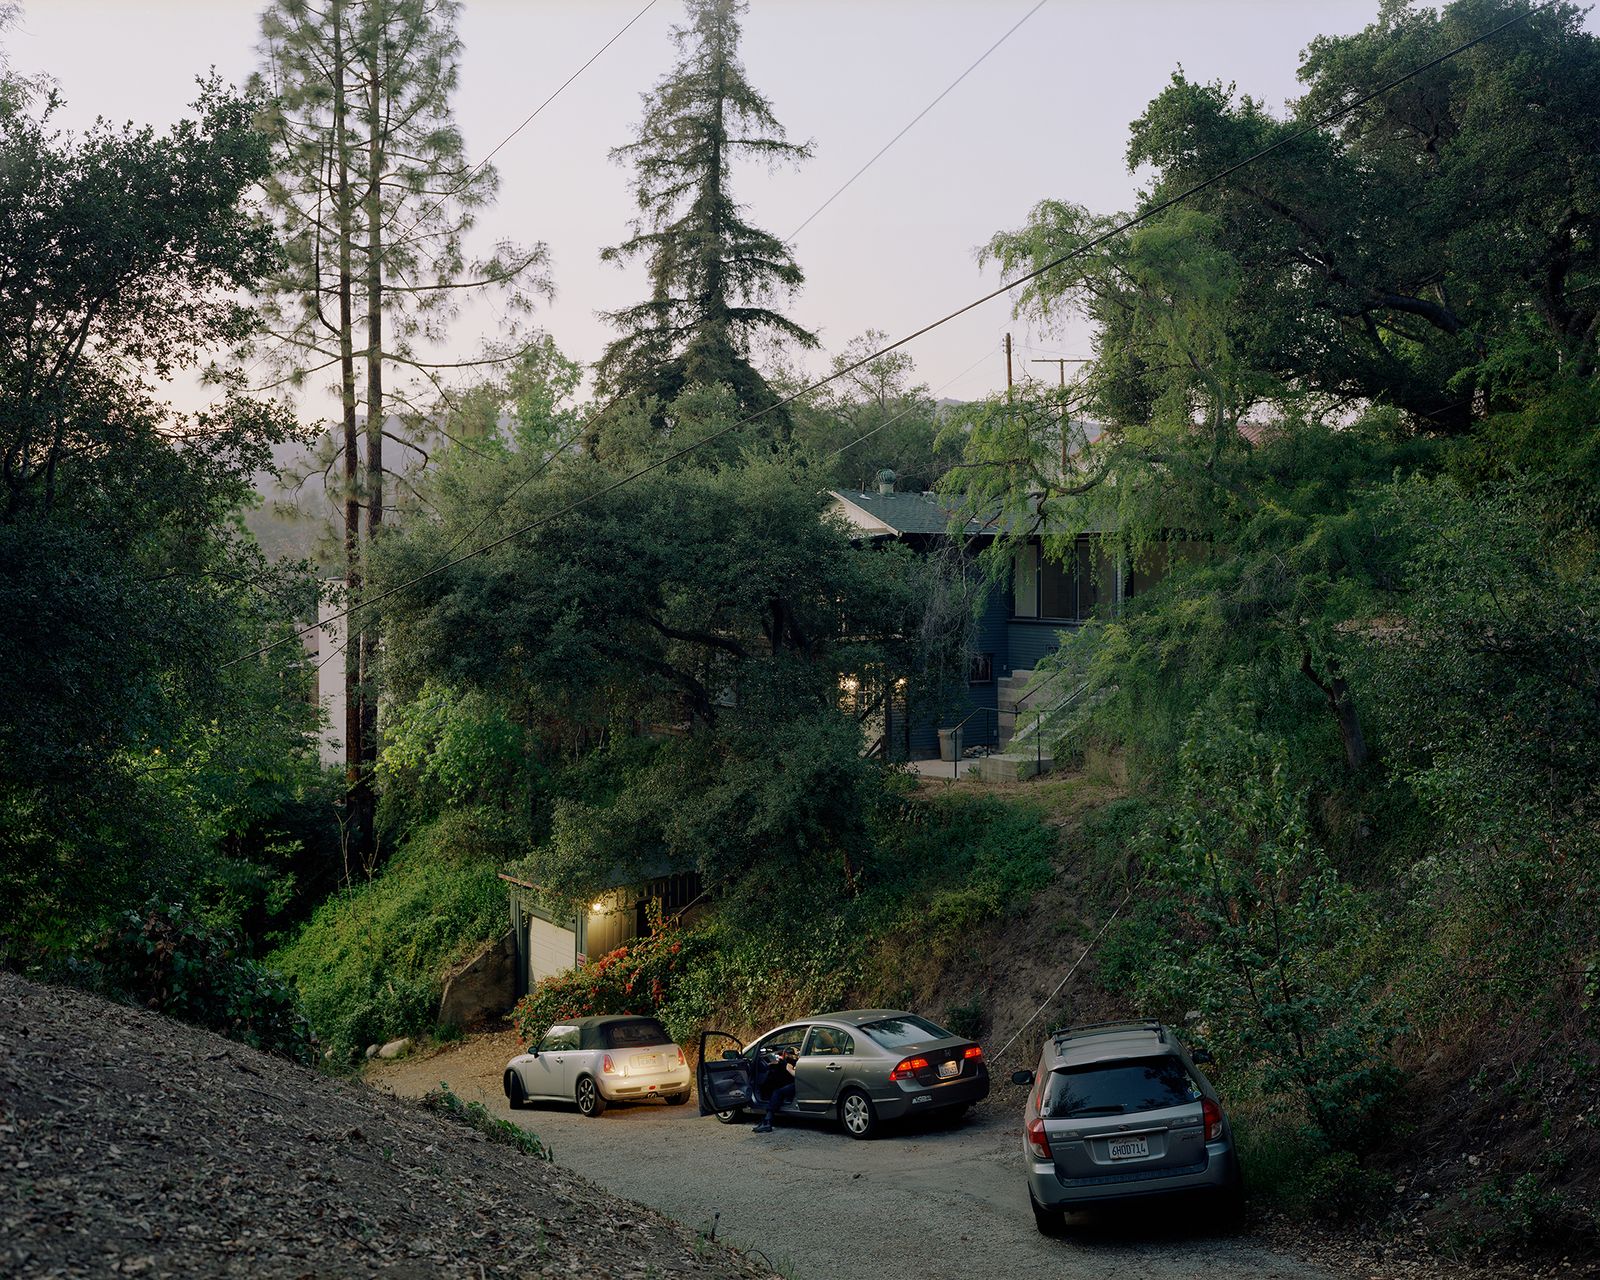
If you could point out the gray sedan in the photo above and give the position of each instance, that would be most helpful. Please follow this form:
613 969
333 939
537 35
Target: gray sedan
860 1066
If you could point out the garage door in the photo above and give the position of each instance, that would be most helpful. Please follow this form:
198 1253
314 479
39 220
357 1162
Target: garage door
550 948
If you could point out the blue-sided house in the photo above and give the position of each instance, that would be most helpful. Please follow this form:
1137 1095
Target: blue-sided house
1021 622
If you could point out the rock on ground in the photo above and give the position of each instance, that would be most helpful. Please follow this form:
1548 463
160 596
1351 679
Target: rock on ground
136 1145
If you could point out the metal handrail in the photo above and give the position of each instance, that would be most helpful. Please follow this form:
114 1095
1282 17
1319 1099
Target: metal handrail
955 763
1038 735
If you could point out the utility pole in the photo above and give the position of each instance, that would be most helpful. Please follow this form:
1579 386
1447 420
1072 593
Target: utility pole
1061 363
1008 366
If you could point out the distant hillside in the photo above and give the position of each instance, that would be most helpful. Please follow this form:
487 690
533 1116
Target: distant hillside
134 1144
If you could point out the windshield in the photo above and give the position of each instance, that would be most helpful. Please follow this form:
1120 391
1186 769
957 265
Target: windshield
897 1033
636 1034
1116 1088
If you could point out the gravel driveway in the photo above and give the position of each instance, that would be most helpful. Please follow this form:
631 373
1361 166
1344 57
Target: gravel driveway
928 1202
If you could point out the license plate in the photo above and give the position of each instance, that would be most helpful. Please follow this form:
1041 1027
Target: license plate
949 1069
1129 1148
645 1061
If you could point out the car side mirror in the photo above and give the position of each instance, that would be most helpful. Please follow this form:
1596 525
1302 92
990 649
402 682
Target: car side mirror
1022 1077
1201 1057
731 1055
535 1050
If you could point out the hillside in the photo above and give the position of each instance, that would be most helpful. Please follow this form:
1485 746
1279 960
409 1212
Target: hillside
137 1145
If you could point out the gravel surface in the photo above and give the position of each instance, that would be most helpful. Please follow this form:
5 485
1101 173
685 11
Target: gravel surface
933 1201
135 1145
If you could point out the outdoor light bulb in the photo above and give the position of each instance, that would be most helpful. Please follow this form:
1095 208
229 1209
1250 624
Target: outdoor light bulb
599 906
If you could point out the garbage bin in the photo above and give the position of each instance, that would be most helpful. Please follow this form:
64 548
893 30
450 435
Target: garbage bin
950 744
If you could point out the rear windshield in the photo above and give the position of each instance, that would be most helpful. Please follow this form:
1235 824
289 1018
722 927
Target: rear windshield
896 1033
1113 1088
634 1035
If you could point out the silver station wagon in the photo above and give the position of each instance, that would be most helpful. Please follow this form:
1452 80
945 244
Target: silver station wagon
1121 1110
860 1067
595 1061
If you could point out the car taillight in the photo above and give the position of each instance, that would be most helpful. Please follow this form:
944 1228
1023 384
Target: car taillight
1213 1118
608 1066
907 1067
1038 1140
680 1057
973 1051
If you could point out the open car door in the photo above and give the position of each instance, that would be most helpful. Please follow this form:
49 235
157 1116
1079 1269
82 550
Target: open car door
723 1077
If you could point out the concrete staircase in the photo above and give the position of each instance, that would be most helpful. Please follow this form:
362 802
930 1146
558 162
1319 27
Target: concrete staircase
1019 756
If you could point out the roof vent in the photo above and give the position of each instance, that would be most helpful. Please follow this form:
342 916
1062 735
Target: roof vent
886 481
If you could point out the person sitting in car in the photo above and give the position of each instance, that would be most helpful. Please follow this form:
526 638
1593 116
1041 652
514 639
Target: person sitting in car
777 1085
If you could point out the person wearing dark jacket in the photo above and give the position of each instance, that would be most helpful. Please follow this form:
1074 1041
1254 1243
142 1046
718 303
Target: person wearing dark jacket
777 1086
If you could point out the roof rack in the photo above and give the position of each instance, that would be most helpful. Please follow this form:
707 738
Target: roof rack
1105 1028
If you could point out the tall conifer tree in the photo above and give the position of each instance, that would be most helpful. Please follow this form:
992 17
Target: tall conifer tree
373 195
713 274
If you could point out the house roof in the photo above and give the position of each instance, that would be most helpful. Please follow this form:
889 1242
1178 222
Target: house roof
901 513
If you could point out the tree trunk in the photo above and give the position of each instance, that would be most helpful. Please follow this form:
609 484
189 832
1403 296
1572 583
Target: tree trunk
375 410
358 777
1336 691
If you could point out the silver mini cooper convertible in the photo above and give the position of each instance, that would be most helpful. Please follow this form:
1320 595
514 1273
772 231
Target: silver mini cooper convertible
1121 1110
595 1061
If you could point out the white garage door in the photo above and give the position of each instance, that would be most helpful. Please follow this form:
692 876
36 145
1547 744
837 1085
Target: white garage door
550 948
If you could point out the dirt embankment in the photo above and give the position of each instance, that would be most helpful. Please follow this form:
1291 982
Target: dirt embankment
135 1145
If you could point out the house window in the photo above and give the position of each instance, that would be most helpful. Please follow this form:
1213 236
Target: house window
1058 590
1025 582
981 669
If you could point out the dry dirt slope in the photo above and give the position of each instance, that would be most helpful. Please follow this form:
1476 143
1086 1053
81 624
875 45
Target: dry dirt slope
134 1145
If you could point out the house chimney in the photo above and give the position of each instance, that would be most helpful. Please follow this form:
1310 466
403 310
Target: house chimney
886 481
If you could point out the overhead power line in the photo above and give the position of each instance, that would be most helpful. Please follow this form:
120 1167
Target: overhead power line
1095 242
527 120
942 95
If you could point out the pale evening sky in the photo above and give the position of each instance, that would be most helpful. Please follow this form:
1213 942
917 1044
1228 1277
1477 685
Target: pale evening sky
1045 115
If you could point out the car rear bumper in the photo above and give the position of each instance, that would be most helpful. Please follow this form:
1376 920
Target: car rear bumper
628 1088
1051 1191
912 1100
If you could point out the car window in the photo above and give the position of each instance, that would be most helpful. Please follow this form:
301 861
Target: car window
830 1041
784 1038
635 1034
561 1036
896 1033
1115 1088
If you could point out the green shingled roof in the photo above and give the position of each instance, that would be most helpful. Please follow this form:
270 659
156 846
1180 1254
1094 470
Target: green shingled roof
907 512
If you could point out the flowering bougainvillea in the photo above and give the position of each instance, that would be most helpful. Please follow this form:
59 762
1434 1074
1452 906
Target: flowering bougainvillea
636 978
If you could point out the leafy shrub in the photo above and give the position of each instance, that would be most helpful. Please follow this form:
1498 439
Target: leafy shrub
967 1019
370 962
637 978
168 962
443 1101
1263 937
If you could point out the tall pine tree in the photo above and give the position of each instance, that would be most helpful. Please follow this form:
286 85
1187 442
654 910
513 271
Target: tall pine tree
713 275
373 195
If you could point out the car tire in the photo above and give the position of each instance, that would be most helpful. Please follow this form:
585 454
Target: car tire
857 1114
677 1099
591 1102
730 1117
516 1095
1051 1222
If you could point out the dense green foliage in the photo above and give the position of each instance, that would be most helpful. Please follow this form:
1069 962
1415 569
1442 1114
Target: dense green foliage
167 961
370 962
137 757
715 609
712 272
943 867
1340 432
